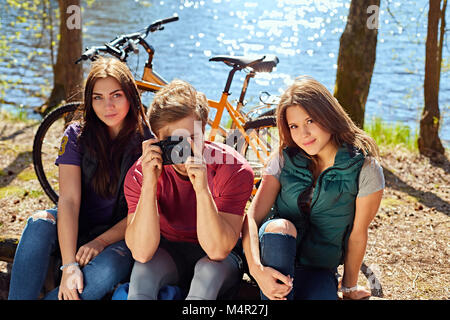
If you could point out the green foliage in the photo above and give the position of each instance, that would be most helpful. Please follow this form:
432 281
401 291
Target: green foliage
391 134
37 23
32 22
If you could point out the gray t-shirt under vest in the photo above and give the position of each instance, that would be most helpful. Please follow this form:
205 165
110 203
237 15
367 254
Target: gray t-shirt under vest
371 177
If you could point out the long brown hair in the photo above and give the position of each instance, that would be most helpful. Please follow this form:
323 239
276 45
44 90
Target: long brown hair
94 134
324 109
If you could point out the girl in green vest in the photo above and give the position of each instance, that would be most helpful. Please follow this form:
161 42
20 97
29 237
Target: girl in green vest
318 195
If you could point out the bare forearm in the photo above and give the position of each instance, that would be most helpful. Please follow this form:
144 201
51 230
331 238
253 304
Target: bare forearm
115 233
214 234
250 243
67 226
143 233
353 259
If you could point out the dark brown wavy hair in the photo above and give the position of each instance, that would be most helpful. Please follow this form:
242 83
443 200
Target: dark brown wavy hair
325 110
94 134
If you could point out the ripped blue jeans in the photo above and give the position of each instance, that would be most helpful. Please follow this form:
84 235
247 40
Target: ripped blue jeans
278 251
31 262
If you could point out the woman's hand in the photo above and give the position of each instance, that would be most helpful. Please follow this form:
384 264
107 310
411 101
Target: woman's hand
89 251
269 279
358 294
71 283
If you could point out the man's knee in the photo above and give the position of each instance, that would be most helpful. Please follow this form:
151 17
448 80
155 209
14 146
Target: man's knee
141 270
281 226
208 268
161 265
44 215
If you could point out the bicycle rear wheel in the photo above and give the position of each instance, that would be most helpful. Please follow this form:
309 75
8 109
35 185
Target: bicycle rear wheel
263 140
46 146
263 133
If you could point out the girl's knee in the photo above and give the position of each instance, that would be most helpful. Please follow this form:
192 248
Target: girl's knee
40 225
281 226
43 215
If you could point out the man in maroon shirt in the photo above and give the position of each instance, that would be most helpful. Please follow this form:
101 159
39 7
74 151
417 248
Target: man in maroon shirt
185 219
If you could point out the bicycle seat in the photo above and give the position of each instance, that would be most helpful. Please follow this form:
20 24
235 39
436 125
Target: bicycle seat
265 63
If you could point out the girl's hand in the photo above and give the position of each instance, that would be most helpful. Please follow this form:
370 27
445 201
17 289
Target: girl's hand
89 251
268 280
358 294
71 283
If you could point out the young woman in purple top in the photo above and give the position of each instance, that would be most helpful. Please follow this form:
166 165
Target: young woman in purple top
87 228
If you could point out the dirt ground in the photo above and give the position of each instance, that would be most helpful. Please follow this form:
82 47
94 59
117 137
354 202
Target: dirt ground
408 248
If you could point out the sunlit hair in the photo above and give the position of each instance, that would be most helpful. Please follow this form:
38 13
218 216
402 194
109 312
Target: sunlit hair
177 101
95 135
325 110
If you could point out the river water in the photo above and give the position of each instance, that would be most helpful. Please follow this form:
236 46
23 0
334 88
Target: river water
304 34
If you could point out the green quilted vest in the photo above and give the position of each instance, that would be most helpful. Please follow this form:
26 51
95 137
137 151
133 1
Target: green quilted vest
322 234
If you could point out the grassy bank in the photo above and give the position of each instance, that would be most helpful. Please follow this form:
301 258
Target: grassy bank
390 135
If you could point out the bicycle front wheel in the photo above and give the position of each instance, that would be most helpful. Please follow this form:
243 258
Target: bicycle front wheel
46 146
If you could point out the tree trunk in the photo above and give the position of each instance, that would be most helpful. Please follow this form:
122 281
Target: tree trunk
429 143
67 76
357 53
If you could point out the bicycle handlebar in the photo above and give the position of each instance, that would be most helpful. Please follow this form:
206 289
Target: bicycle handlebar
117 48
158 24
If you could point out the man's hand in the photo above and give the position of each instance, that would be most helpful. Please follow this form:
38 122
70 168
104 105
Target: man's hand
197 173
151 161
196 166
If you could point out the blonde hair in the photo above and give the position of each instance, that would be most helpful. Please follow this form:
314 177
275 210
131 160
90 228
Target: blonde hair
176 101
324 109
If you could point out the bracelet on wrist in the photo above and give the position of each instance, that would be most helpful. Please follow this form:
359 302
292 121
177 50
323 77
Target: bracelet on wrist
68 265
344 289
102 241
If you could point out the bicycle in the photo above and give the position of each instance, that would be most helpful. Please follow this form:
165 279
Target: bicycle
255 138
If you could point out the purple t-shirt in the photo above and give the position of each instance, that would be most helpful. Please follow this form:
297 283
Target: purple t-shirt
94 209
